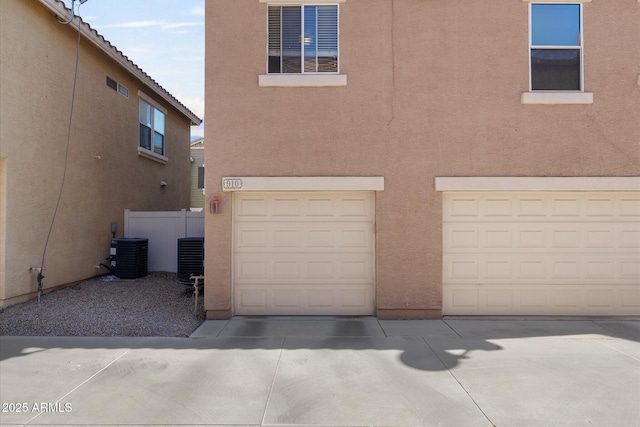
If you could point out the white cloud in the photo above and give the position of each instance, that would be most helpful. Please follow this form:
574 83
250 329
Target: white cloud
198 11
194 103
181 25
145 24
134 24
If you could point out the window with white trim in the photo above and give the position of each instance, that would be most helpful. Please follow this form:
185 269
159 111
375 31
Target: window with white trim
151 128
555 47
303 39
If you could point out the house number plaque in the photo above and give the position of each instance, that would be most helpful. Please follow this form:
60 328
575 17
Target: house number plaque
231 184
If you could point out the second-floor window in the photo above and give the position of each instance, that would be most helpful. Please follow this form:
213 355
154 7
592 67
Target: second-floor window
303 39
556 46
151 128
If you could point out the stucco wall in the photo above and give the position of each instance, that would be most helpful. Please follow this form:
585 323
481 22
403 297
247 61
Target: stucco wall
104 173
434 89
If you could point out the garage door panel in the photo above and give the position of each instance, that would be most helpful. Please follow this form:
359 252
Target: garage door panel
305 237
629 207
541 253
343 268
630 269
303 253
251 207
293 206
543 237
304 300
548 300
629 237
542 268
460 207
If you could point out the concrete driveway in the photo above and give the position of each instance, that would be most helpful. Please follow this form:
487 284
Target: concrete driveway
333 372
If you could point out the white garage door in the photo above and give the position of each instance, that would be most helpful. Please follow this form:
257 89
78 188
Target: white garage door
308 253
547 253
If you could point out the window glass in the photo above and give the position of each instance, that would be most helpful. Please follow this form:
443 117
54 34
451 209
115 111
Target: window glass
555 69
555 24
158 143
291 48
158 121
275 51
327 39
303 39
145 137
556 47
152 123
310 39
145 113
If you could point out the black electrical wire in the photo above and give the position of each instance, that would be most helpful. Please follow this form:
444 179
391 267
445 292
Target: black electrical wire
66 155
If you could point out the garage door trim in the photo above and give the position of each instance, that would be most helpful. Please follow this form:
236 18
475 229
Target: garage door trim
302 183
537 183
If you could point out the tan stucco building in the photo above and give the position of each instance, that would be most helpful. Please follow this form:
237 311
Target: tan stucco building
413 159
127 135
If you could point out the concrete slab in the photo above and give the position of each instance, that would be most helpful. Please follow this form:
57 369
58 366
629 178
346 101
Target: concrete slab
520 328
417 328
366 381
45 370
302 327
548 381
209 329
177 381
629 330
332 372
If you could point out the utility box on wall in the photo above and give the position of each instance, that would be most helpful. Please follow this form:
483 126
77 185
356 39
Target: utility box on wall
129 257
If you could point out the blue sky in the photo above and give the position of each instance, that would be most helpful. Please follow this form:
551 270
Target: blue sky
163 37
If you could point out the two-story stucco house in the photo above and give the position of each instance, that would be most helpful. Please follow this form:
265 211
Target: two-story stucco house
66 179
420 158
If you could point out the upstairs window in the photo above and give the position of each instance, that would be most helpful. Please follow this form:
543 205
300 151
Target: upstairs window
556 47
151 128
303 39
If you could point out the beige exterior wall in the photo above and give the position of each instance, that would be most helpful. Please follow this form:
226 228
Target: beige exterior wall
434 89
105 174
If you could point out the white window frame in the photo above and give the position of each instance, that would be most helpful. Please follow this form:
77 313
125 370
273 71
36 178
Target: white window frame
143 152
303 79
122 90
555 97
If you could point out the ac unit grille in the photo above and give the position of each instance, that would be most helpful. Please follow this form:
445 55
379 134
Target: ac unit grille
130 256
190 257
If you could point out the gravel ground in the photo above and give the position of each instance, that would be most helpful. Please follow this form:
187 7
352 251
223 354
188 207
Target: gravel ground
154 305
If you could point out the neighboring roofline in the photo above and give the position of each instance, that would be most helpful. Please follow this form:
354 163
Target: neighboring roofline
196 142
59 8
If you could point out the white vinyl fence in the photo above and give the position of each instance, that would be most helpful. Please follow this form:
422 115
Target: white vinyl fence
163 229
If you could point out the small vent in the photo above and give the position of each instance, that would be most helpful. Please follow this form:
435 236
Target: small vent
123 91
112 83
190 257
117 87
